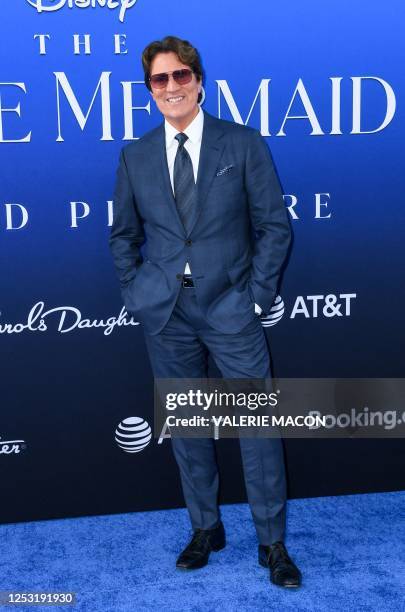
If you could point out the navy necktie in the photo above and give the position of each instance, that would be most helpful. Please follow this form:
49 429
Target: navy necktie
183 182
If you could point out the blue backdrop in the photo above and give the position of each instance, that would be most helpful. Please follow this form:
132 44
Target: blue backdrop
325 86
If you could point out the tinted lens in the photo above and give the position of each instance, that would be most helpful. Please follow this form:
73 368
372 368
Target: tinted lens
182 77
159 80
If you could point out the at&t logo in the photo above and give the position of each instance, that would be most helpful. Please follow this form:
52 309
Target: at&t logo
133 434
312 307
275 314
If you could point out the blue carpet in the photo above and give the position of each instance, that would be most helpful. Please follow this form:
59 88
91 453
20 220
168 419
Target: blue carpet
350 550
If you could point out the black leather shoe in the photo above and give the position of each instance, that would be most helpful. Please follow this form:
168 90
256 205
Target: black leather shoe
283 570
196 554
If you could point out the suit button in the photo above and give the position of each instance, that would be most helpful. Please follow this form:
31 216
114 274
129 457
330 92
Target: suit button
179 276
189 242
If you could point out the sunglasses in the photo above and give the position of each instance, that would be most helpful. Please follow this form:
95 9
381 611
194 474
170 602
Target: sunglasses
181 77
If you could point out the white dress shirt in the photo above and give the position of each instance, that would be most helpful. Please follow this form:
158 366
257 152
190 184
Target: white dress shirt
193 146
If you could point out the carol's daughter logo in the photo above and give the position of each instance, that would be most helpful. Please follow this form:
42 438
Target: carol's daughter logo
11 447
47 6
65 319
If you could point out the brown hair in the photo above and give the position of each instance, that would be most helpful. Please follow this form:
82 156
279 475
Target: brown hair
186 53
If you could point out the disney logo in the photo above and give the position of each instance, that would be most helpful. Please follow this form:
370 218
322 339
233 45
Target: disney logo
7 447
55 5
68 318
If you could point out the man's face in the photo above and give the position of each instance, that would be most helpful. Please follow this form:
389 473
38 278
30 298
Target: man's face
178 103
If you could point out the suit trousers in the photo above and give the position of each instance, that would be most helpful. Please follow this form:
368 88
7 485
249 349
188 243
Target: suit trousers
181 350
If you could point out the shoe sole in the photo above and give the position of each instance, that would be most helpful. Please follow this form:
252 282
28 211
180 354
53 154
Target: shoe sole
286 586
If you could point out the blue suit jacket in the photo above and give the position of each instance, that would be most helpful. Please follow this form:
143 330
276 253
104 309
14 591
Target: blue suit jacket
239 233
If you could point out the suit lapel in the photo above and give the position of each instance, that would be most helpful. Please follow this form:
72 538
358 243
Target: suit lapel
160 171
210 154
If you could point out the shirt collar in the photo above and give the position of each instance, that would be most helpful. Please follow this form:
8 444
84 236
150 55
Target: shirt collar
193 130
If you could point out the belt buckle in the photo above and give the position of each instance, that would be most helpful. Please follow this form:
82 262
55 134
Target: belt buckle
187 281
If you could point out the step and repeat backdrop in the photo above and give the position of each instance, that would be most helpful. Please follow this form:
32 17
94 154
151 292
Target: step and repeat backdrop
324 85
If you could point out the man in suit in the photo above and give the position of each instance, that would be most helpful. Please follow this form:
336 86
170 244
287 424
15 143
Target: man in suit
202 198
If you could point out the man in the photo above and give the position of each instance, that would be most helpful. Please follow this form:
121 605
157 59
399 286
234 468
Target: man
202 197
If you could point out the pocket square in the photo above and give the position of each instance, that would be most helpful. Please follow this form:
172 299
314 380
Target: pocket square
225 170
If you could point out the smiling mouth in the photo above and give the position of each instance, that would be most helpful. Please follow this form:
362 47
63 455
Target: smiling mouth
175 100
